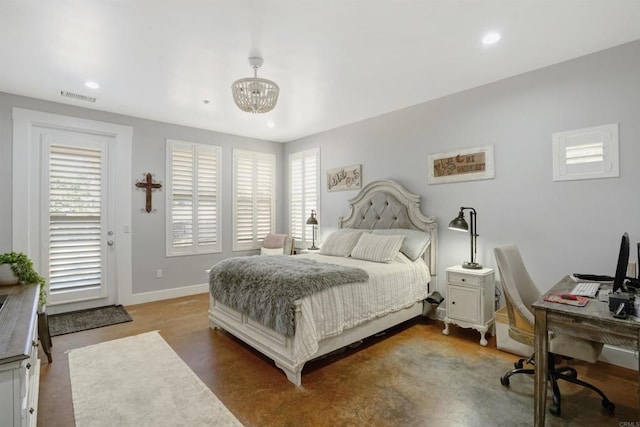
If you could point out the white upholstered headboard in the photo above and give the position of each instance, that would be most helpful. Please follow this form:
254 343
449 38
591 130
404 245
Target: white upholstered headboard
386 204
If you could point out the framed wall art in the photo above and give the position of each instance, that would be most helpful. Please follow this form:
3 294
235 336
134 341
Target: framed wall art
467 164
345 178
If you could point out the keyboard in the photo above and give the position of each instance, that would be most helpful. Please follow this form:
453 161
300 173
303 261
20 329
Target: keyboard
586 289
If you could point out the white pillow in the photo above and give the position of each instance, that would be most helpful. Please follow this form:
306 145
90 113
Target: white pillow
271 251
414 244
377 247
340 243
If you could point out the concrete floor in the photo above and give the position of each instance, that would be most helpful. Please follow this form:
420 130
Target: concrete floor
411 376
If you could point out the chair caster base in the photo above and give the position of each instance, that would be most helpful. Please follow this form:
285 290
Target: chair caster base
608 405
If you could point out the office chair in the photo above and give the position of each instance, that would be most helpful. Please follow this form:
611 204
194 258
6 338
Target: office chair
520 293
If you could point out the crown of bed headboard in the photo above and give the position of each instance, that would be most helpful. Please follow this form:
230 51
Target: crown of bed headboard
386 204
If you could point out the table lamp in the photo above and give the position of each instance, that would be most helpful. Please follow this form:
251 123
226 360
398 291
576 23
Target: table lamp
460 224
313 222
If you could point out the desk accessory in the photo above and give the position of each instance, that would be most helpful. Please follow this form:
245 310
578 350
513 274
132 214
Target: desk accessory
620 304
563 298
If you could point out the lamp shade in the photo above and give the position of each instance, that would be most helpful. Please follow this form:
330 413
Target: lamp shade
459 223
312 220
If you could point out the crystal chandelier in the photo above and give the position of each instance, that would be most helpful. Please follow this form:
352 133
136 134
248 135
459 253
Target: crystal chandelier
253 94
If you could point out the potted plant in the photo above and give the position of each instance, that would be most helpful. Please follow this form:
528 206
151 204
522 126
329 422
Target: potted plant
23 272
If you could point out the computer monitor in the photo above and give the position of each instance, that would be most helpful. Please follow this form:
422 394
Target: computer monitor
621 268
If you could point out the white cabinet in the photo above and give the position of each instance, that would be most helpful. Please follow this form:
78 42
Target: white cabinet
470 299
19 363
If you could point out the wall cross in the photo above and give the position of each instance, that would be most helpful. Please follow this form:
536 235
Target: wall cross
149 186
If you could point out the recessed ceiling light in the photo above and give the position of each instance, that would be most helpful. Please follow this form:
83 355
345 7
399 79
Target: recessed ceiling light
92 85
271 125
205 101
491 38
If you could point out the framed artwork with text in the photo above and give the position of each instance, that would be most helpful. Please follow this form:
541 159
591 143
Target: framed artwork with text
466 164
344 178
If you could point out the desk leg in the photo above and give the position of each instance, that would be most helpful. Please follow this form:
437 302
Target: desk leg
540 377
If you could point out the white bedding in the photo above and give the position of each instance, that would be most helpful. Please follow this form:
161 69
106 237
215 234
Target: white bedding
390 288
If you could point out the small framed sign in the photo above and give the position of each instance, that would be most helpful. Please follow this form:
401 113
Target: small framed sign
345 178
462 165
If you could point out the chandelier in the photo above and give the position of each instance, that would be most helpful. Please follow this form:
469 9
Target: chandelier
253 94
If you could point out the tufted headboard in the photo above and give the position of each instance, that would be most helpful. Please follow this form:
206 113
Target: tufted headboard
386 204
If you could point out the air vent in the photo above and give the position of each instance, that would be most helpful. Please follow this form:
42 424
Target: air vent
77 96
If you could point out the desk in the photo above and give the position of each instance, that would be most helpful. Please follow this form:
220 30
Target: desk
593 321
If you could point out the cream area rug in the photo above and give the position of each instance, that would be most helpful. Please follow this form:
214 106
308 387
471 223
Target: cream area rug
140 381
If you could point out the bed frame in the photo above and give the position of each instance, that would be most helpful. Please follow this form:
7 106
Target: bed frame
379 205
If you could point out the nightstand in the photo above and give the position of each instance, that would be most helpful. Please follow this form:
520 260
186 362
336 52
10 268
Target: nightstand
470 299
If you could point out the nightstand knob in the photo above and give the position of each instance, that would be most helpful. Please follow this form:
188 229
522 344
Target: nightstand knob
453 302
31 411
463 279
28 366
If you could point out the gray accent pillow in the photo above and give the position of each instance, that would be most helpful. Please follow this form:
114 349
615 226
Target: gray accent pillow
415 242
377 248
341 242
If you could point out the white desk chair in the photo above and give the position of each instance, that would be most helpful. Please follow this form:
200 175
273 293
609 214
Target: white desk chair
520 293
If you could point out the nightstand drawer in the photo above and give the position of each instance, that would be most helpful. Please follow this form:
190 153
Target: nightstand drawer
463 279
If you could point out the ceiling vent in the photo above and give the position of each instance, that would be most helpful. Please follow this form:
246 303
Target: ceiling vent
77 96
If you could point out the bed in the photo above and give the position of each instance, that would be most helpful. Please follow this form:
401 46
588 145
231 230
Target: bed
338 316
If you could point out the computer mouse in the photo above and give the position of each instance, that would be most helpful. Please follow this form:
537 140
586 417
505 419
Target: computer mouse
569 296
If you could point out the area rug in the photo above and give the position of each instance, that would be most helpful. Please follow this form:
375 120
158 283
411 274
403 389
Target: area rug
82 320
140 381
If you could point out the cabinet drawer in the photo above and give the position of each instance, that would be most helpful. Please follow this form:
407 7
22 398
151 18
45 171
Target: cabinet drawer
463 279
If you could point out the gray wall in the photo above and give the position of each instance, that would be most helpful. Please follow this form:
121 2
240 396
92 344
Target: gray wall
148 230
560 227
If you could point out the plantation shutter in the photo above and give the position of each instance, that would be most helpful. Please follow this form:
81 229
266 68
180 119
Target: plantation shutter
75 218
193 173
253 195
303 193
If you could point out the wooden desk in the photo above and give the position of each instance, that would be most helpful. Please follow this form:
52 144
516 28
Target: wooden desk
593 321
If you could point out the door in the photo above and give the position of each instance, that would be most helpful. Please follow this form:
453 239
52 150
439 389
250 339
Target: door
464 304
72 206
77 229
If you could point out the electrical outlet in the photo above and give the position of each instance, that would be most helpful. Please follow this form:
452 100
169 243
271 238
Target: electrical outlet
158 274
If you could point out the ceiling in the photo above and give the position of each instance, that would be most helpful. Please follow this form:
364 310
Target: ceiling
336 61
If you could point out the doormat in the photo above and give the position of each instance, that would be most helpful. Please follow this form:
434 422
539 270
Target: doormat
82 320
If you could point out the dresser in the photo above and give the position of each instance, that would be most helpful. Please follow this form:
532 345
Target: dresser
470 299
19 363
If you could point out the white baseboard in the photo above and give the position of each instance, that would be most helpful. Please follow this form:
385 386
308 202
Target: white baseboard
165 294
620 357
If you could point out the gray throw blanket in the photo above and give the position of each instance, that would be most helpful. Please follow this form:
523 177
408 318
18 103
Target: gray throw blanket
266 287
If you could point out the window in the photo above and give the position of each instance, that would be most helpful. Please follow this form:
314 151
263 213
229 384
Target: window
304 168
586 153
253 198
193 194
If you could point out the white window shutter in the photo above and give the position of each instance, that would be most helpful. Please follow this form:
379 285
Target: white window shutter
304 180
253 198
588 153
193 188
75 211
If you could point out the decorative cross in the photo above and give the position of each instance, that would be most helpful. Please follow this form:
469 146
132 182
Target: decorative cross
149 186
